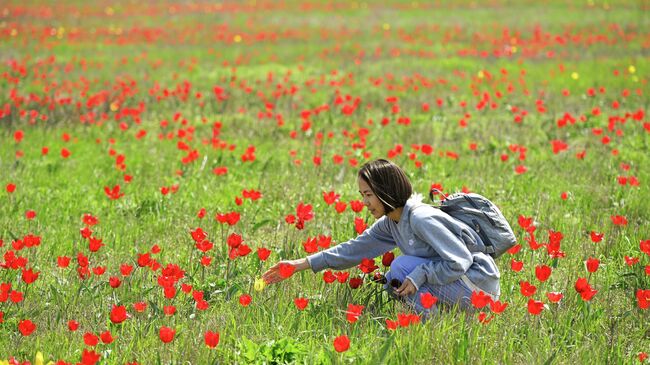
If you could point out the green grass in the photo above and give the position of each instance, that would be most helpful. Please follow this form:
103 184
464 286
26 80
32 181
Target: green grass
610 328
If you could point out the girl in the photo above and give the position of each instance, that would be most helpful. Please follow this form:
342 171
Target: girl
434 256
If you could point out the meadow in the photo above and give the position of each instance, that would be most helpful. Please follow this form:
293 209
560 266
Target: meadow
157 157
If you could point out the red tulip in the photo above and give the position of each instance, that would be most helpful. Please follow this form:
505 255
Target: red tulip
403 319
126 269
16 296
359 225
516 266
631 261
118 314
387 258
427 300
245 300
169 310
201 213
114 282
341 343
619 220
106 337
644 246
18 135
62 261
90 220
356 205
554 297
310 245
480 299
483 318
355 283
643 298
90 339
390 324
263 253
301 303
592 264
340 206
585 290
498 307
520 169
286 270
328 276
527 289
542 272
26 327
535 307
166 334
514 249
211 339
29 276
140 306
354 312
324 242
202 305
643 356
85 232
596 237
342 276
89 357
114 192
73 325
330 197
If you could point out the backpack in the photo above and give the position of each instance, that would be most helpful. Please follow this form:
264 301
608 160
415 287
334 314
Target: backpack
483 217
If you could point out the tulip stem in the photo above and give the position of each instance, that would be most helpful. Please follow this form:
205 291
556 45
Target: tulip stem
227 274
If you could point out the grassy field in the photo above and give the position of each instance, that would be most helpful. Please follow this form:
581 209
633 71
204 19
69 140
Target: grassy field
125 127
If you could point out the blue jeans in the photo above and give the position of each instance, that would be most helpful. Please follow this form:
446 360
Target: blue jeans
455 293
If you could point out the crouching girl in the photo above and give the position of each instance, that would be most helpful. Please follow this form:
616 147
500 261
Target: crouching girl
434 257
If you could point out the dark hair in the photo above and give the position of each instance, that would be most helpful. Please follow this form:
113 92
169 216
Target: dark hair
388 182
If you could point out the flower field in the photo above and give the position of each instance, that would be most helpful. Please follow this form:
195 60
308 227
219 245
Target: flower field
157 157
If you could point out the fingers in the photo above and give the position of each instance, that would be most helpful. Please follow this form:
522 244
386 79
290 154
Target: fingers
272 275
271 278
407 288
401 287
267 276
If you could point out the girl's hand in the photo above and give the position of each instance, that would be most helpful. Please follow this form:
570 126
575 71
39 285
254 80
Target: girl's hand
407 288
274 275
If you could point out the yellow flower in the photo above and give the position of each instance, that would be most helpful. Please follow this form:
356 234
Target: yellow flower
259 284
38 360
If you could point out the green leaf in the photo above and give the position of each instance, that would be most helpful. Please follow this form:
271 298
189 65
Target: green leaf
261 223
380 356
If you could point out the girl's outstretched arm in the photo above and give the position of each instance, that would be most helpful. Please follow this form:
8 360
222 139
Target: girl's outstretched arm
373 242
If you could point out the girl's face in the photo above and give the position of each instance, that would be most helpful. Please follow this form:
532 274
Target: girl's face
370 200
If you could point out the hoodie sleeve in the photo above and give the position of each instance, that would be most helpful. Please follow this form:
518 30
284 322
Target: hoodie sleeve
439 232
373 242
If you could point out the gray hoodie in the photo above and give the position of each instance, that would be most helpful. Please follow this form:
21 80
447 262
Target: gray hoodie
422 231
